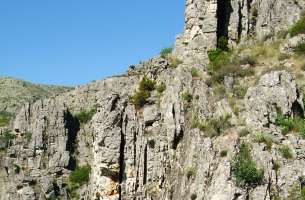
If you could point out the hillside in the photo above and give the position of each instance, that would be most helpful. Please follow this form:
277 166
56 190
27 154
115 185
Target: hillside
14 93
218 117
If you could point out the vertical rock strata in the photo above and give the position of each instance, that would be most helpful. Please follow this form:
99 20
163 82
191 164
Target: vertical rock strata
155 151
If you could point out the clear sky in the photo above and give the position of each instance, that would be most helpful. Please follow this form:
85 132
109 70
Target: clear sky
73 42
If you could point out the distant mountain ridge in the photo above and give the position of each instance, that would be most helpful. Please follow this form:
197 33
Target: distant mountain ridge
15 92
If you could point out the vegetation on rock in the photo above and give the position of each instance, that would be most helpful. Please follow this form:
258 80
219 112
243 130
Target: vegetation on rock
5 138
298 27
212 127
265 139
5 118
146 86
286 152
245 170
85 115
288 124
166 52
79 177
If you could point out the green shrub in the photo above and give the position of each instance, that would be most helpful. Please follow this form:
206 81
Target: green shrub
86 115
239 91
298 27
194 73
245 170
80 176
222 43
289 124
6 137
54 197
212 127
300 48
286 152
214 54
221 65
165 52
146 86
161 88
187 97
263 138
5 118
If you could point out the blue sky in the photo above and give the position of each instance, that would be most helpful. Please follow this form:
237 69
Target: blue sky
73 42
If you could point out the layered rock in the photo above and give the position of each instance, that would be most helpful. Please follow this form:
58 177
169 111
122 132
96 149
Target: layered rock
156 151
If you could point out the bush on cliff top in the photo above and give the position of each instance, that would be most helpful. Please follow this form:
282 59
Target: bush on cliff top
166 52
146 86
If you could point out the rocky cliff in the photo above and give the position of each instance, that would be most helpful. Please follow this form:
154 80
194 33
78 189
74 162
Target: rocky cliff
198 123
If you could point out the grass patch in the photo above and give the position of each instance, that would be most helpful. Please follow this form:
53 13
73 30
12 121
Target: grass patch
174 62
212 127
286 152
86 115
245 170
221 65
300 49
265 139
187 97
239 91
146 86
80 176
289 124
298 27
5 118
165 52
195 73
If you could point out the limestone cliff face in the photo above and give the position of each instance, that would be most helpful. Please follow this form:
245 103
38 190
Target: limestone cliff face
237 20
162 149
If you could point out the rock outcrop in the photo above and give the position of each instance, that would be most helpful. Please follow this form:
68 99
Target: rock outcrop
172 137
237 20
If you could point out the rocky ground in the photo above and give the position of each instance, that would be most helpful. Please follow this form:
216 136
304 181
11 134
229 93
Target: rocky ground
200 122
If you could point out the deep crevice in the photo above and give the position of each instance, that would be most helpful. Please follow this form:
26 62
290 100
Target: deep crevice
124 123
145 166
73 126
240 23
177 139
224 10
